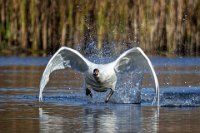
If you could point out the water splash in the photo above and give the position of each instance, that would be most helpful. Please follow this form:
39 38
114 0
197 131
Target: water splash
169 97
128 87
108 53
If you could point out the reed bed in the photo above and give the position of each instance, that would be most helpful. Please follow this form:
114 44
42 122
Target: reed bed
167 27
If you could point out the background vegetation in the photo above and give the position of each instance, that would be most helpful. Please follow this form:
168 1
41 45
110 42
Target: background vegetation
168 27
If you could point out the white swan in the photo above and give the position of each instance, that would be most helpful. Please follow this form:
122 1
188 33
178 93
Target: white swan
99 77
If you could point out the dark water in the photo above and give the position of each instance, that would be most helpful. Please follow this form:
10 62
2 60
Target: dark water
67 109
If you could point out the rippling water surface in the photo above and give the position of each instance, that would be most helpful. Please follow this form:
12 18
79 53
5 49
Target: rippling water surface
67 109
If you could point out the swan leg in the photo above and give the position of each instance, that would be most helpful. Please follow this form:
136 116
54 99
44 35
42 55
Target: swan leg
88 92
109 95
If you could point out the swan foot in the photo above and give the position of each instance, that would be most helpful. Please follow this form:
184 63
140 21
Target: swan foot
88 92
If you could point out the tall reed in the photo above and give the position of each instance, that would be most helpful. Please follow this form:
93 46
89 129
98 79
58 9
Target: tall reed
165 27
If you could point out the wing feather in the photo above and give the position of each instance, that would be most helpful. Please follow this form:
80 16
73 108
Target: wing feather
64 58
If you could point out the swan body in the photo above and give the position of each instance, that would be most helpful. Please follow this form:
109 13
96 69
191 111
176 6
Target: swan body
99 77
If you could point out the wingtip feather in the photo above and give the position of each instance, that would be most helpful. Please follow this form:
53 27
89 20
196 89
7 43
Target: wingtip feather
40 98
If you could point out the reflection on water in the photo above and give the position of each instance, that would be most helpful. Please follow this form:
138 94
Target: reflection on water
103 118
18 117
66 109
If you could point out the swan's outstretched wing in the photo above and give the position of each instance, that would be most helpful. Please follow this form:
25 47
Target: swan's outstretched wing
135 57
63 58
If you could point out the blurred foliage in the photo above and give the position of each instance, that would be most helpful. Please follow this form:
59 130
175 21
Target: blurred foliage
168 27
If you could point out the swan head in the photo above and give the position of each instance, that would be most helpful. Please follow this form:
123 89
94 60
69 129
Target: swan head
96 72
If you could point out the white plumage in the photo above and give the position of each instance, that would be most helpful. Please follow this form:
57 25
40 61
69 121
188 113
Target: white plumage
98 77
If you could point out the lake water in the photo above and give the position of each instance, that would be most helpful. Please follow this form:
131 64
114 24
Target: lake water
67 109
